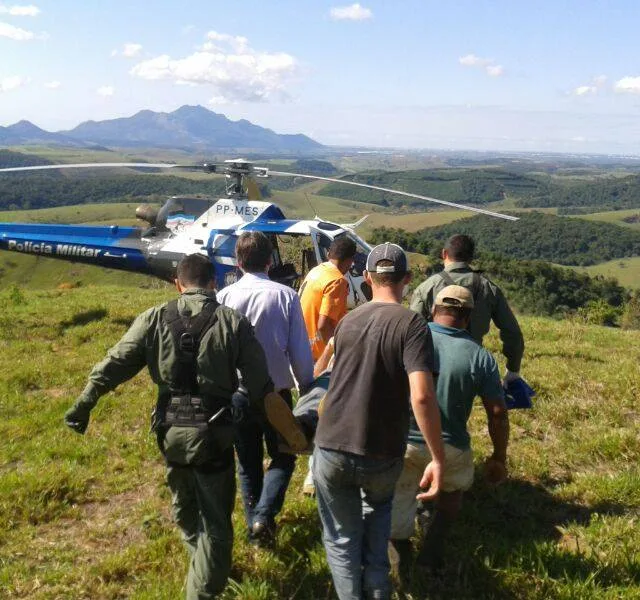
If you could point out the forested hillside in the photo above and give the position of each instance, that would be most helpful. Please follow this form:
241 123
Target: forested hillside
486 185
536 235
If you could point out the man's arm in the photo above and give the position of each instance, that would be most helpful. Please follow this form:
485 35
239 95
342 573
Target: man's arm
510 333
322 364
298 347
326 327
332 308
427 415
122 362
498 424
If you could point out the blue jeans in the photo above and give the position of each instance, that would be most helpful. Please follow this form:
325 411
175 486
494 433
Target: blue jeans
262 493
354 501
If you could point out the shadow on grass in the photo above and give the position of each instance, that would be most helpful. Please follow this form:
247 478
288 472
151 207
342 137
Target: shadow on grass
84 318
501 542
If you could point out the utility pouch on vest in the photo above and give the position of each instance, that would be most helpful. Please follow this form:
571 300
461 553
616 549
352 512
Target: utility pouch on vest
187 411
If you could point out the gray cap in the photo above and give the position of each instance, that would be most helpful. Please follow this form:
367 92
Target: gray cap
391 252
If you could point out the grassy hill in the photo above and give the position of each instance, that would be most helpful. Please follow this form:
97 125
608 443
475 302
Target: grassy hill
88 517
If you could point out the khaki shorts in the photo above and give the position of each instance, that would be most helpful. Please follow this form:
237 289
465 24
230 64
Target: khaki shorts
458 476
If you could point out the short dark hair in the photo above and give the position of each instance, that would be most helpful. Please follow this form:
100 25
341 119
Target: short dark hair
342 248
195 270
386 279
253 251
460 248
458 312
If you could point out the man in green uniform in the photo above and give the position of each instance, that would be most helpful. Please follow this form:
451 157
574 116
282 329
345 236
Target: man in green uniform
490 303
192 348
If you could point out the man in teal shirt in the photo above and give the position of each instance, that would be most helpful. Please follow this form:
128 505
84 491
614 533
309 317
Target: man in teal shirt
463 370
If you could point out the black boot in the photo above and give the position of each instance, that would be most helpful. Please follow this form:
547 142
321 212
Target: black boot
431 554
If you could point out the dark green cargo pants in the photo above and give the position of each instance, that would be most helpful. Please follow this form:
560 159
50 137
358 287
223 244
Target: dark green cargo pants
202 506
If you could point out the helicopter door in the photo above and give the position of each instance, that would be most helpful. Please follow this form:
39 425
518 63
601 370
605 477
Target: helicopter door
358 293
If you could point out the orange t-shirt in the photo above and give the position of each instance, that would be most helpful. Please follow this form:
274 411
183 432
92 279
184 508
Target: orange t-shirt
324 292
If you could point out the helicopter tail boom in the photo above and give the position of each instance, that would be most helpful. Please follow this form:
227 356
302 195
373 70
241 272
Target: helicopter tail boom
113 247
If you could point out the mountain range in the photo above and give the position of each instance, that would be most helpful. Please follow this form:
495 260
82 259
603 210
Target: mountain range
189 127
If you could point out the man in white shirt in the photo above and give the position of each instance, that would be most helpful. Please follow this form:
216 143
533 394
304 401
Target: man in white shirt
276 315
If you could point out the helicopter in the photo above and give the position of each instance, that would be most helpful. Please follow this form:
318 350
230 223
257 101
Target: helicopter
187 225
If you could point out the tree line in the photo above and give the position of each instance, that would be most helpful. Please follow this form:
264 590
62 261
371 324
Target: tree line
561 240
481 186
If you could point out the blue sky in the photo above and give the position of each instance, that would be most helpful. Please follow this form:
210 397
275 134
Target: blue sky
559 75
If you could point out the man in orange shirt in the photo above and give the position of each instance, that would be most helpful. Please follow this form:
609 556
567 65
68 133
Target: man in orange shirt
324 294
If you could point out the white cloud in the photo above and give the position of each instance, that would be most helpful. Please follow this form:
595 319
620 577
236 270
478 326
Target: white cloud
487 64
627 85
12 83
20 11
471 60
129 50
105 91
592 88
354 12
229 65
15 33
237 42
53 85
585 90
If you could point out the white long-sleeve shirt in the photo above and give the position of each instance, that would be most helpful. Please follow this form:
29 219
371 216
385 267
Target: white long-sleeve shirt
276 315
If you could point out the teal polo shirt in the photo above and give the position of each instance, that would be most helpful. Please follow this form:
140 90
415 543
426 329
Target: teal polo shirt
463 370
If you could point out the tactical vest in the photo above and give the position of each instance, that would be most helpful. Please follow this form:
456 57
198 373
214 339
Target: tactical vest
184 405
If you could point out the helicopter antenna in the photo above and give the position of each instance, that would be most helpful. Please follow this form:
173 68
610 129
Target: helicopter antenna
382 189
313 210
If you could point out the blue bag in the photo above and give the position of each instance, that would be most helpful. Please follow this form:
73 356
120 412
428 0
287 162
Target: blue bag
518 394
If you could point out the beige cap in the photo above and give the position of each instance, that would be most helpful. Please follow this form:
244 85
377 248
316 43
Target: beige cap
454 295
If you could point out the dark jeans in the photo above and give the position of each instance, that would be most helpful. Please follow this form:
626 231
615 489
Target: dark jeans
262 493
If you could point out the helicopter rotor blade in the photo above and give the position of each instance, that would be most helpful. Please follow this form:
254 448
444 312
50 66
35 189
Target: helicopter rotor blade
408 194
207 168
88 166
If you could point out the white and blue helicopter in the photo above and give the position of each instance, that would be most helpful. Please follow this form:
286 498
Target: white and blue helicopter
188 225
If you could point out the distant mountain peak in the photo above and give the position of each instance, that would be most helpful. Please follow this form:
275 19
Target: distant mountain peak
187 127
190 126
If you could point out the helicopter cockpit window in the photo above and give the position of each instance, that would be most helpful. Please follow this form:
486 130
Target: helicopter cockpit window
359 260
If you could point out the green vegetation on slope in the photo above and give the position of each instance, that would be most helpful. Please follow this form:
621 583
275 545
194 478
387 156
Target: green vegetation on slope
37 190
478 186
535 236
88 517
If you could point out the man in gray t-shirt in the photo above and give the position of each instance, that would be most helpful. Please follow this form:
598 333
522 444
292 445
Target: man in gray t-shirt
382 353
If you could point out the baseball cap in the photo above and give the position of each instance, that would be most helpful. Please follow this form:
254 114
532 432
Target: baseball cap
455 295
391 252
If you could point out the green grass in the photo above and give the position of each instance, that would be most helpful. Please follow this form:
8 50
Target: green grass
88 516
625 270
615 216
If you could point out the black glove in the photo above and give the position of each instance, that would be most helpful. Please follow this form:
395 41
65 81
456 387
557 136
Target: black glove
77 417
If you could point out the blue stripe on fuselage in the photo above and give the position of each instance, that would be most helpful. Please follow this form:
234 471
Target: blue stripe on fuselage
113 246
